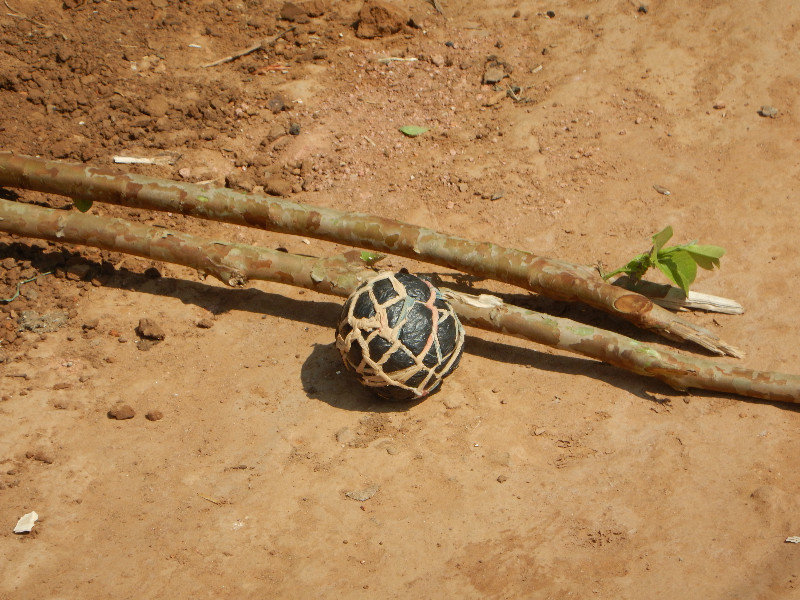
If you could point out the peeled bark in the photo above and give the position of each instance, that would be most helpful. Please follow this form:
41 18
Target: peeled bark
233 264
555 278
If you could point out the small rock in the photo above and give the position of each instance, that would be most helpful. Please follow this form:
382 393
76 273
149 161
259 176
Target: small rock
62 385
47 323
314 8
156 107
417 21
25 523
276 104
768 111
294 129
44 455
642 9
493 75
376 19
719 105
362 495
539 431
240 180
91 324
150 330
275 186
437 60
274 133
497 196
292 12
120 412
154 415
517 14
662 190
205 323
502 478
463 187
345 435
551 14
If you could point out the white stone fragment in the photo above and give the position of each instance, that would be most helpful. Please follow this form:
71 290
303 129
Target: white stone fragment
25 523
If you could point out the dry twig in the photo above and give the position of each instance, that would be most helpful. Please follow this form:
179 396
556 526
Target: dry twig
263 44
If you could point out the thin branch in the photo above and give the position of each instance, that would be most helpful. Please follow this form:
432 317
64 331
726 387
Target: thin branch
552 277
233 264
263 44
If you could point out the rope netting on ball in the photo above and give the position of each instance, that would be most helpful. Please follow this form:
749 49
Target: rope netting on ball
399 336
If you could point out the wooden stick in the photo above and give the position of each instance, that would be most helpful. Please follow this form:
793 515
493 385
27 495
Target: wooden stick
555 278
234 264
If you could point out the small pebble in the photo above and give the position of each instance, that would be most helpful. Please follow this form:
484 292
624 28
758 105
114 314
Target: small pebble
719 105
362 495
551 14
121 412
502 478
150 330
768 111
154 415
294 129
205 323
662 190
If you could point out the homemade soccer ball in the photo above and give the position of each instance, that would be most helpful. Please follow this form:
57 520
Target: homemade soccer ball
399 336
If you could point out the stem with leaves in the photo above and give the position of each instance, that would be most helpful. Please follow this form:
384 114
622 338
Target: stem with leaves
678 263
234 264
555 278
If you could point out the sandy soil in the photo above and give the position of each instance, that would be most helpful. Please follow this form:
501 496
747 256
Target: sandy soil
532 474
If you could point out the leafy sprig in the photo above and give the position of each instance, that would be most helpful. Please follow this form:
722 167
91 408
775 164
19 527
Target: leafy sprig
678 263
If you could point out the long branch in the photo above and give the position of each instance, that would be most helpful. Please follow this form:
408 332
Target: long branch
233 264
555 278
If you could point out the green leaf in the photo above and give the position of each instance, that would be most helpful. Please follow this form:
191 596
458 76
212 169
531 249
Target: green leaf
706 257
82 204
413 130
370 257
680 267
659 239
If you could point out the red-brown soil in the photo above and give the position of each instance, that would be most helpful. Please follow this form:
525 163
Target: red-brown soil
532 474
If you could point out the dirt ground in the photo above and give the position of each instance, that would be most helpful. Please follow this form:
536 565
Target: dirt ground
532 474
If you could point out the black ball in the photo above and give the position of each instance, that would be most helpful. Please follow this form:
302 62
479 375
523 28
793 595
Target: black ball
399 336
